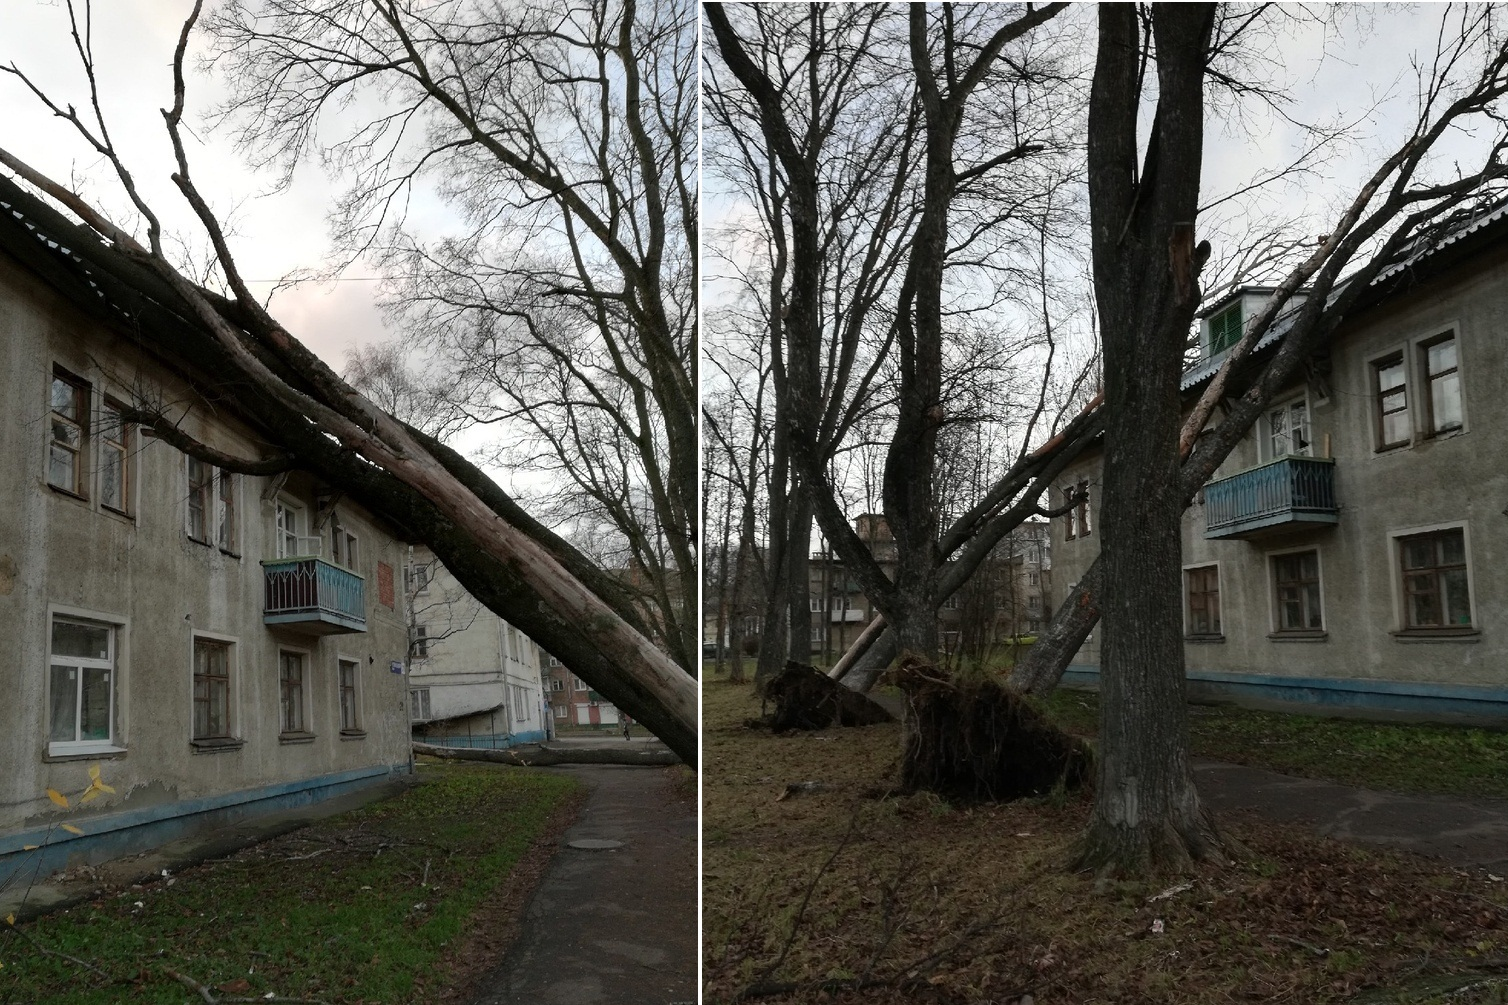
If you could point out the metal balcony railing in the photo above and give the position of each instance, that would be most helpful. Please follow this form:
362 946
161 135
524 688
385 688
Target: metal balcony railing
315 595
851 614
1297 491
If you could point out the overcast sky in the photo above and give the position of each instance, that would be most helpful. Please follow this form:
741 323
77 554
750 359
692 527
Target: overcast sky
274 234
277 233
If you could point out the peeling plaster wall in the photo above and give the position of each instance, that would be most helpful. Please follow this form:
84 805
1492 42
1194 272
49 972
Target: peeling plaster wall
145 575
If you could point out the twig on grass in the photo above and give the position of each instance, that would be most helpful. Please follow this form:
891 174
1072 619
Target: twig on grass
210 999
1316 950
790 939
53 952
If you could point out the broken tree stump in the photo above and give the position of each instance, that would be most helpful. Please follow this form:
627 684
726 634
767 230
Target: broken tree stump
977 740
806 698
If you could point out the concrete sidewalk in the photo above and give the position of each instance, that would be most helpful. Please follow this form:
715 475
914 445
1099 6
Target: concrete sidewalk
1470 833
613 921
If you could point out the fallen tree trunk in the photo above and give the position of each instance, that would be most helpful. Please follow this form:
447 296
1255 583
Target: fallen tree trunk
540 755
979 741
1039 672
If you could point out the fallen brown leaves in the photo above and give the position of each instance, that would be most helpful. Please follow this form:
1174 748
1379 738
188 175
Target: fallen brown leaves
1307 919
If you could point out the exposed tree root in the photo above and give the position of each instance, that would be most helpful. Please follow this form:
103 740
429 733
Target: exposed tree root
1149 848
978 741
805 698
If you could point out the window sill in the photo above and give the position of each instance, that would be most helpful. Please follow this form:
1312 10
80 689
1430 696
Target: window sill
67 492
353 734
1297 636
78 751
217 745
231 554
1438 635
196 540
296 737
119 514
1200 639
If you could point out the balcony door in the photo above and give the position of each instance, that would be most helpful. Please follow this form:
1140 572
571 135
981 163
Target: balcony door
287 519
1287 431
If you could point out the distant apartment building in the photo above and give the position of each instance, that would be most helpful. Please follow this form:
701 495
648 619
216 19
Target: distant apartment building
1348 554
1008 598
474 680
217 645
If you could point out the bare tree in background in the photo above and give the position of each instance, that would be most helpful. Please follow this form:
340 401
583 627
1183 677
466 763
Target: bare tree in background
564 309
874 218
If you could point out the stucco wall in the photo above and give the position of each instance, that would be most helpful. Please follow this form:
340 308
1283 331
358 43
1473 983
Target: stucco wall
142 573
1455 479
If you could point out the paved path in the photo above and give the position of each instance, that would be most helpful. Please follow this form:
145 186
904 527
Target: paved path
1471 833
613 926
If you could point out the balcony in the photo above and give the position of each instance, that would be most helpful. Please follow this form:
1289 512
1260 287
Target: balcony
852 614
314 596
1290 493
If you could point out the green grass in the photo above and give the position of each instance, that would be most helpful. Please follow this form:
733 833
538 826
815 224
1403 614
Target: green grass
1399 757
359 908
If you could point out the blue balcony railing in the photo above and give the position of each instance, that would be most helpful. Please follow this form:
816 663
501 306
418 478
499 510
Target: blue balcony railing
312 594
1290 491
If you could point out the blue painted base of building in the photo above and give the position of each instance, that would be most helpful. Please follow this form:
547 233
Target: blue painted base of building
130 832
1380 699
498 741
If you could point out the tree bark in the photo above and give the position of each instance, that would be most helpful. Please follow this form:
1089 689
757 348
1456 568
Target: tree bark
1147 814
1039 672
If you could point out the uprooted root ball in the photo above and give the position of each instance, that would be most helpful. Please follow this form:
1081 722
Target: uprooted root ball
806 698
978 741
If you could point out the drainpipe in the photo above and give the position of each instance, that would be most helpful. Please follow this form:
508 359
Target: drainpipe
502 662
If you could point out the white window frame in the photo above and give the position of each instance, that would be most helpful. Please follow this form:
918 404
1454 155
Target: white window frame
282 504
306 696
1395 578
1265 437
417 570
233 687
119 628
418 701
358 728
345 546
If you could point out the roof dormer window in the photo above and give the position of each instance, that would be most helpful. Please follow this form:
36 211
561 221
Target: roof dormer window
1225 329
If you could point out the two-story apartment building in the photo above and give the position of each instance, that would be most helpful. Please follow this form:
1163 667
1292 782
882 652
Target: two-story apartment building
474 679
216 644
1350 552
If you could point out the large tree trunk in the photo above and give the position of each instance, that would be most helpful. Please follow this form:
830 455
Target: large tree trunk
1147 814
798 582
